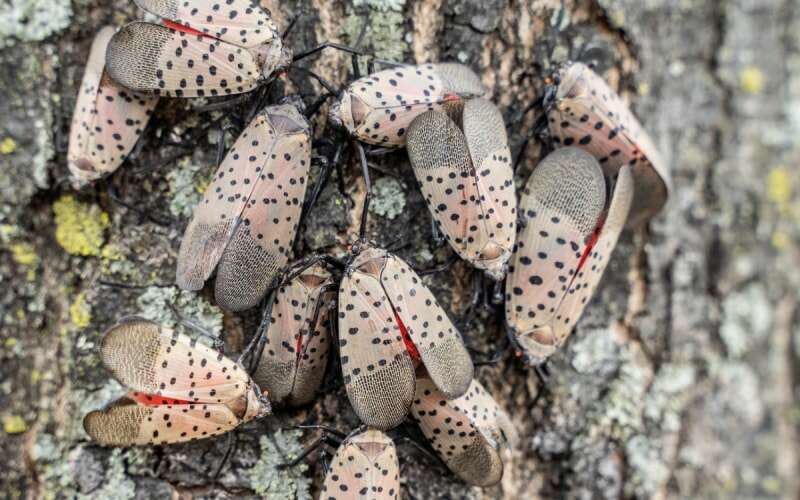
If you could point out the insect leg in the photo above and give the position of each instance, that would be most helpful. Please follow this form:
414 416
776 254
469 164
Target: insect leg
259 339
111 190
217 342
440 268
362 232
436 235
233 442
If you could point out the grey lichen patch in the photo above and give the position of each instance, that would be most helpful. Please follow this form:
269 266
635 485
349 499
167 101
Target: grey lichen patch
747 319
117 484
385 27
32 20
187 183
194 313
594 350
272 483
389 198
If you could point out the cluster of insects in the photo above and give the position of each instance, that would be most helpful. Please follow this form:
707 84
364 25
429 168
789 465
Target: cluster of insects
401 356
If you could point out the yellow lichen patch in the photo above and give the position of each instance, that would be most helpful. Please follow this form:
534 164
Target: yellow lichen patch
10 342
112 252
79 226
80 312
752 80
14 424
781 240
202 185
779 186
644 88
8 146
24 254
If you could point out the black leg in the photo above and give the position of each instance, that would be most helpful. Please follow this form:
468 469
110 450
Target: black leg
218 343
233 442
256 344
114 196
332 45
362 232
440 268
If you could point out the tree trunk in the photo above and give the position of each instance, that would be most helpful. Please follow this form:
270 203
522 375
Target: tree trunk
681 378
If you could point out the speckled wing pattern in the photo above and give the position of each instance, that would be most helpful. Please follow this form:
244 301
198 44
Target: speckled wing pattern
562 208
437 340
467 181
249 215
377 368
588 114
468 433
107 121
153 359
379 108
240 22
365 466
295 354
170 62
125 423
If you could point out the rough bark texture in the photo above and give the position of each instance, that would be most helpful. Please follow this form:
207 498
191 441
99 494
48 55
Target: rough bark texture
681 379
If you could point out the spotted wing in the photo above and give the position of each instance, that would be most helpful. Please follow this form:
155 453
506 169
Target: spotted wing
152 58
590 115
240 22
153 359
365 466
435 337
586 280
126 423
295 355
466 433
377 368
261 245
560 206
107 120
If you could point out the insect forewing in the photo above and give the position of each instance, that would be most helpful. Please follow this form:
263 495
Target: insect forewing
240 22
249 215
434 336
379 108
153 359
295 355
125 423
107 121
561 206
467 180
588 114
149 57
468 433
377 368
365 466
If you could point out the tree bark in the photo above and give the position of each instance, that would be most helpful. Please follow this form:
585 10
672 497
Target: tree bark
681 379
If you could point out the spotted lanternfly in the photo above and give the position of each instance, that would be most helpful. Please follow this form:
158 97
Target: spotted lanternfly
107 121
378 109
468 433
183 390
584 112
389 324
295 355
249 215
203 49
365 466
466 177
565 241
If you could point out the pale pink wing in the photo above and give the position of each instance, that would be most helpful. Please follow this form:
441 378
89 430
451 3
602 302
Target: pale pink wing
152 58
294 358
107 121
365 466
261 245
153 359
591 271
435 337
560 208
465 432
588 114
126 423
240 22
458 79
377 368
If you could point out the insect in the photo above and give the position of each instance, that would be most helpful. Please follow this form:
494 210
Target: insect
365 465
390 324
584 112
183 390
107 121
246 223
566 238
462 162
203 49
468 433
295 355
378 108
